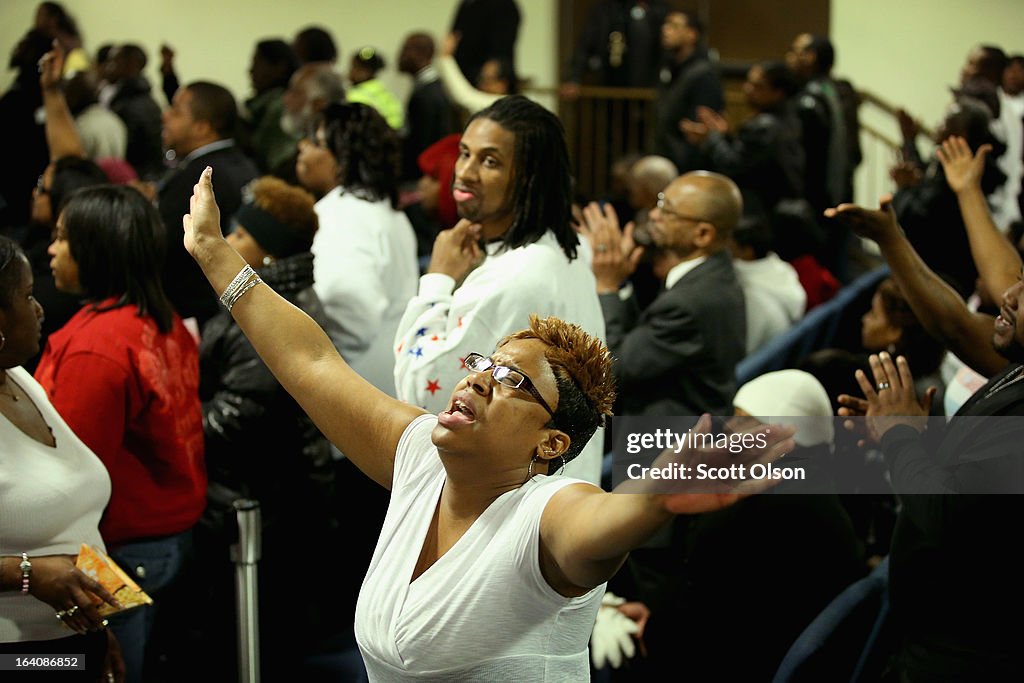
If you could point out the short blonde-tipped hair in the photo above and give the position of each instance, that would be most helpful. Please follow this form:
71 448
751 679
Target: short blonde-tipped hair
582 366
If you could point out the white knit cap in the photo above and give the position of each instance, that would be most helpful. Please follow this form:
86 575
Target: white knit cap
790 393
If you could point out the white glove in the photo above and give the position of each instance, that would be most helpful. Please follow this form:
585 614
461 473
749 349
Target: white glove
613 634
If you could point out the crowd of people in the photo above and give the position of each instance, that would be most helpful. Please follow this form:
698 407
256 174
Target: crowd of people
391 323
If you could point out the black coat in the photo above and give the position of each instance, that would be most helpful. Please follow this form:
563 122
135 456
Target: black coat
766 157
259 442
679 356
184 282
955 566
429 117
683 88
134 104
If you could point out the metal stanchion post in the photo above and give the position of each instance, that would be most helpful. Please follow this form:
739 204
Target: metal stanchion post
246 555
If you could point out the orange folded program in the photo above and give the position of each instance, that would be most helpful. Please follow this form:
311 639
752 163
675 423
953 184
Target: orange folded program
98 566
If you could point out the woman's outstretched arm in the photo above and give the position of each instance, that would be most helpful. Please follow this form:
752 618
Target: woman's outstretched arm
362 421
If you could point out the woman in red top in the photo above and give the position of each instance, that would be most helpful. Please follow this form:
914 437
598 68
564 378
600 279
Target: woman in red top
124 375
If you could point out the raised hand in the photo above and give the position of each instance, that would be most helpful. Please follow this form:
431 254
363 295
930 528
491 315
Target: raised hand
202 222
51 68
891 400
450 43
616 253
905 174
166 58
457 250
963 170
694 131
713 120
874 224
909 127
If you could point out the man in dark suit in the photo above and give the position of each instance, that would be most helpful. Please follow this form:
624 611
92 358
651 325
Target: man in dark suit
954 569
678 357
198 128
429 114
688 81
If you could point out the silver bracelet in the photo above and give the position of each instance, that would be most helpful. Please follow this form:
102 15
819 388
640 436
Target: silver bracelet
243 276
243 282
230 303
26 572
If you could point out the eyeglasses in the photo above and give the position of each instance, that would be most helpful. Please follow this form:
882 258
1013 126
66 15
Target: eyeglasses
675 214
507 376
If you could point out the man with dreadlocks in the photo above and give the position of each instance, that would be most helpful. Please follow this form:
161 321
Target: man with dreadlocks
513 253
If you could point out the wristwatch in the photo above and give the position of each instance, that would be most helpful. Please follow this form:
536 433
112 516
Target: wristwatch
26 572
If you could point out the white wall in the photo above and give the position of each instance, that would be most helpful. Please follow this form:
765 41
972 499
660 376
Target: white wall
214 39
909 52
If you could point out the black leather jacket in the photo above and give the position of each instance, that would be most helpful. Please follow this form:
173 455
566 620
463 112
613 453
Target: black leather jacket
259 443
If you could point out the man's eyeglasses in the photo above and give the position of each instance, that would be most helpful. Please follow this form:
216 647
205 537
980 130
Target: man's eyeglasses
508 376
673 213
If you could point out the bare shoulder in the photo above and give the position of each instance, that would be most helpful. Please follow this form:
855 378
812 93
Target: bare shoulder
566 502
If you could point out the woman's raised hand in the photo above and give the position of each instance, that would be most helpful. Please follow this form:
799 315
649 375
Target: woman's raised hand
202 222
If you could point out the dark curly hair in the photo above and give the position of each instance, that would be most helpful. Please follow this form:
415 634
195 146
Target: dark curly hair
542 185
366 149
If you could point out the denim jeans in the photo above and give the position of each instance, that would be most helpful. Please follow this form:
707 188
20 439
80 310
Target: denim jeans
153 564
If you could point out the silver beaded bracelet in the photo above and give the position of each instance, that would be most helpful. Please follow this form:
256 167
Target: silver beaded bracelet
243 282
26 572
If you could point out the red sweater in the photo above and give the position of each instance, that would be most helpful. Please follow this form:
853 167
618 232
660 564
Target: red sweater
132 395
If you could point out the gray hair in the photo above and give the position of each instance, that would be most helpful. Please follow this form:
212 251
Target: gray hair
653 173
327 84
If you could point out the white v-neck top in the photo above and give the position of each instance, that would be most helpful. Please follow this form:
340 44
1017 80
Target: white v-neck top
51 500
483 611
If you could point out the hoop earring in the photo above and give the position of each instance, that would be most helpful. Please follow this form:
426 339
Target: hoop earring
3 340
529 471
